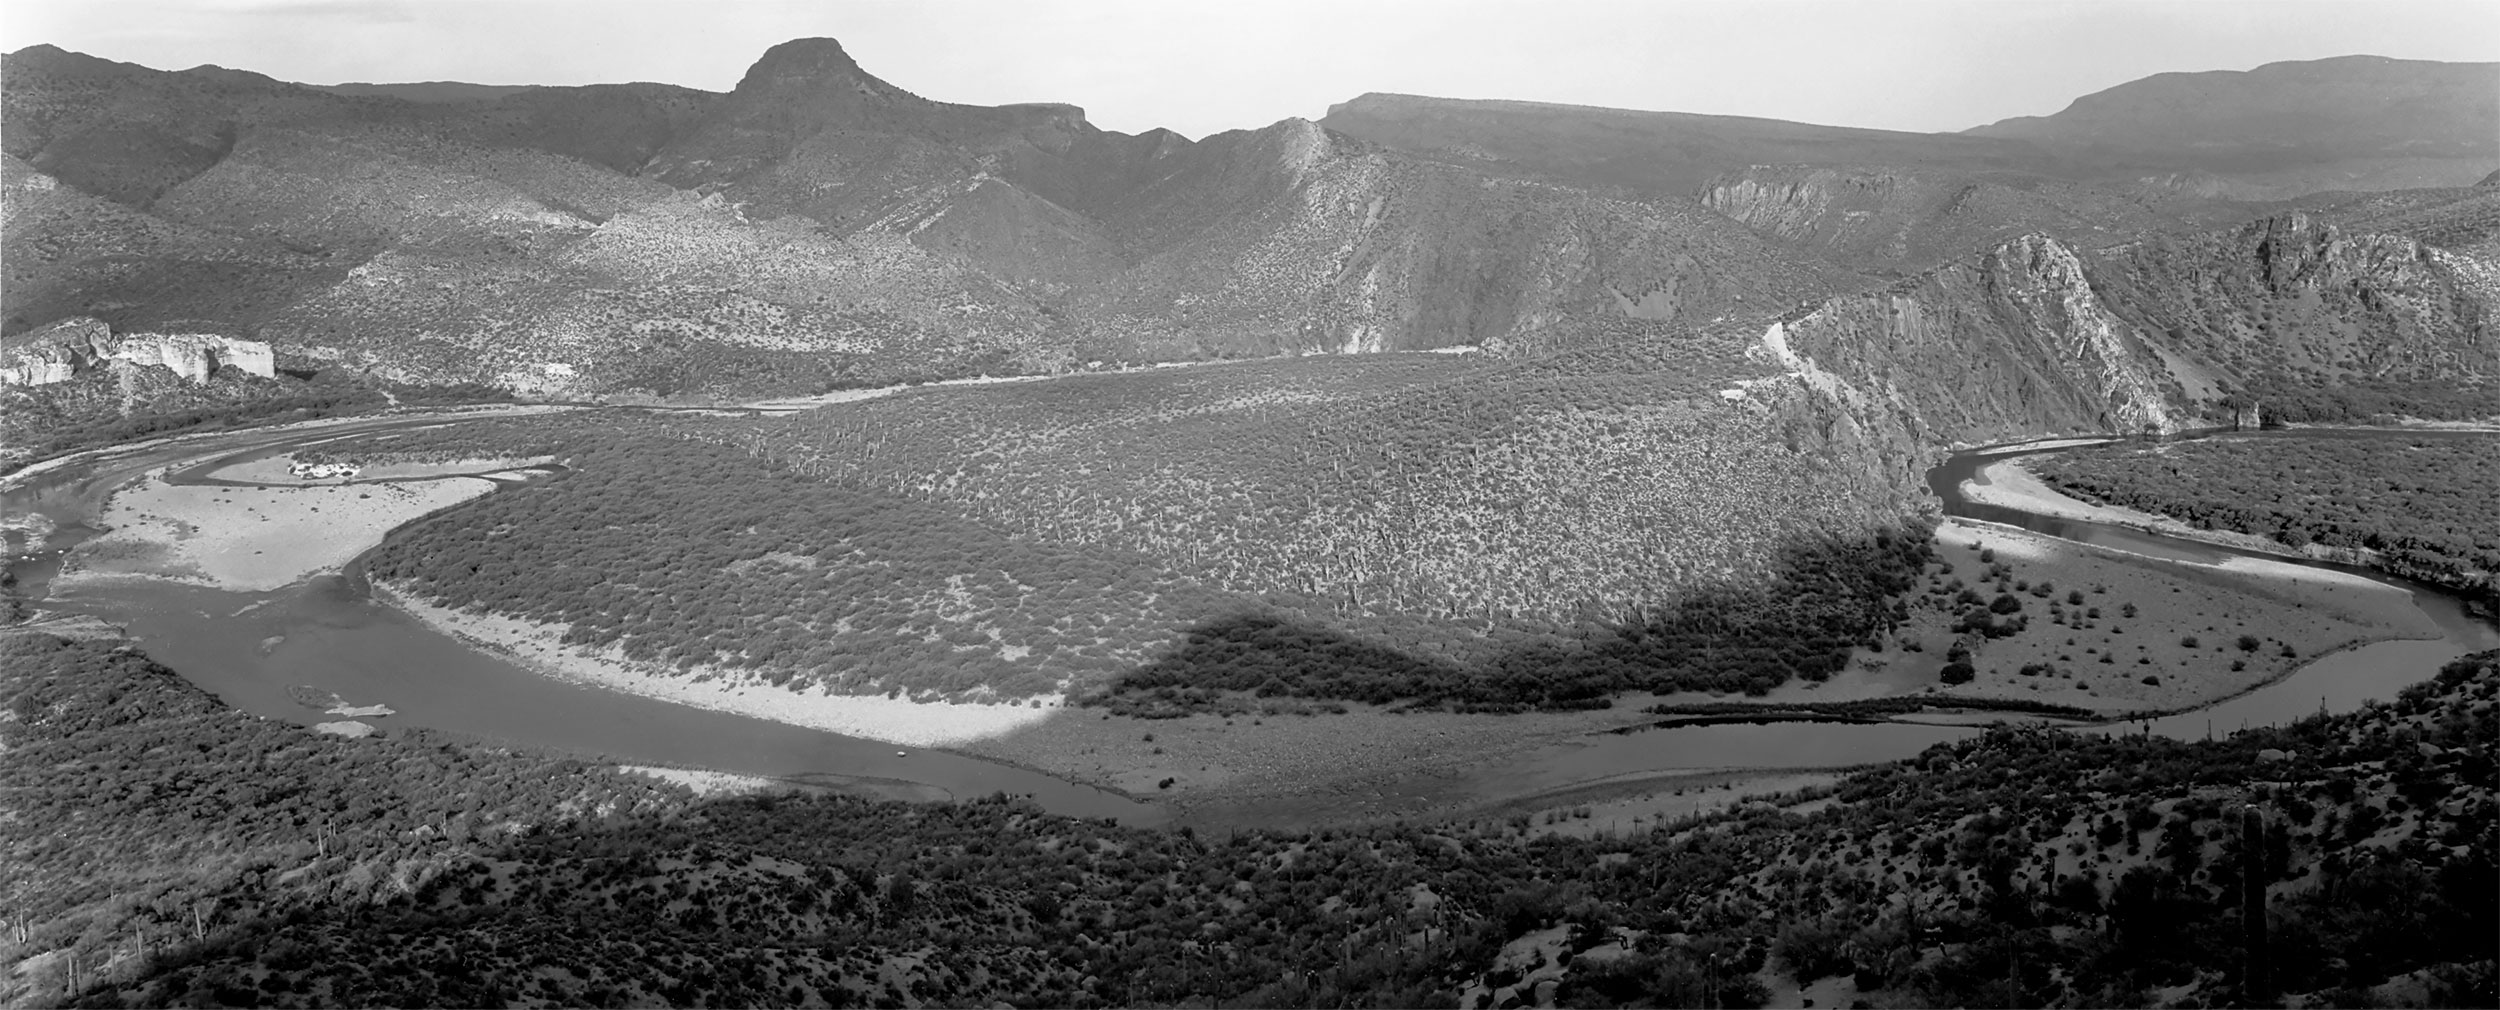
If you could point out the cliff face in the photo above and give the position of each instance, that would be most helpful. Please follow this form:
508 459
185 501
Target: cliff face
2291 299
1298 239
2037 337
1902 219
2013 345
73 347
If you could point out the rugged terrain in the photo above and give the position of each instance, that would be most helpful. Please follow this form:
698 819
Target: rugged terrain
1696 367
814 227
1684 450
2022 868
817 226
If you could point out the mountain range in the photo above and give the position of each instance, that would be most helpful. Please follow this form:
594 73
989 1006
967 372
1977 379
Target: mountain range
817 226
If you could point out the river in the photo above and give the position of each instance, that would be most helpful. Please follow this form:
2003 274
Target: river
255 650
2340 682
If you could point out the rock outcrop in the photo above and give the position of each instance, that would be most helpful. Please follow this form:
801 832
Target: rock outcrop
1897 220
73 347
2015 344
2037 336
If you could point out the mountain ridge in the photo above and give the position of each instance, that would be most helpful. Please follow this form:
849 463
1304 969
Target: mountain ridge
818 226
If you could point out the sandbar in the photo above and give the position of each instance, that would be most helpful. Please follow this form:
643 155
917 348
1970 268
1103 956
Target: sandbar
251 539
703 783
2010 484
273 470
875 717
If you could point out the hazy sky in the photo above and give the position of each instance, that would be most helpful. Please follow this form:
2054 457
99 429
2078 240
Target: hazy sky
1203 67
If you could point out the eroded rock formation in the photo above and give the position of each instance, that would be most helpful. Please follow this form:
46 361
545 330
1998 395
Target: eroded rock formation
73 347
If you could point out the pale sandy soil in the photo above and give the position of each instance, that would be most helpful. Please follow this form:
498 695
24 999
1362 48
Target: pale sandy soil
30 528
2311 610
273 470
250 539
797 403
894 720
2047 443
348 728
2012 485
704 783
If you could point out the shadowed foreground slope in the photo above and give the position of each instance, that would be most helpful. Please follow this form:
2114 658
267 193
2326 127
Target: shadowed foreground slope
2017 869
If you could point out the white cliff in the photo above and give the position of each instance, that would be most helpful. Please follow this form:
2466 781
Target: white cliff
70 348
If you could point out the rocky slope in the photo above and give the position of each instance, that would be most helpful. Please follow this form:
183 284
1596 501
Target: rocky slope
1904 219
1658 153
2040 336
814 227
818 226
2464 221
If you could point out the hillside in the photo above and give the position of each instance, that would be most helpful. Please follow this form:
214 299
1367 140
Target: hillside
1899 220
818 227
2351 122
1653 153
2276 132
814 228
2020 868
2289 313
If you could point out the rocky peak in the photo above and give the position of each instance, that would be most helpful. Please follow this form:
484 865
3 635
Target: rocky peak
1164 143
2296 249
800 61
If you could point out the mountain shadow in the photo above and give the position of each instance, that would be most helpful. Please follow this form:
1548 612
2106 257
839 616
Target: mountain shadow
1821 598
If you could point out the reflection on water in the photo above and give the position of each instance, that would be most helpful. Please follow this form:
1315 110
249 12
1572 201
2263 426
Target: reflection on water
250 648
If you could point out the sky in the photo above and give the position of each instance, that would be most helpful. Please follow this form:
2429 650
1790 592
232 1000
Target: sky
1204 67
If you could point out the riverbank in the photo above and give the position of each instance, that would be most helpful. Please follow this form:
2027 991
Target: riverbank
1363 764
2149 634
2011 484
28 473
704 783
541 648
250 539
273 470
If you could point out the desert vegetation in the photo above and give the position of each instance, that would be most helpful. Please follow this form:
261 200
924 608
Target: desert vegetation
2421 508
2018 868
1398 530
